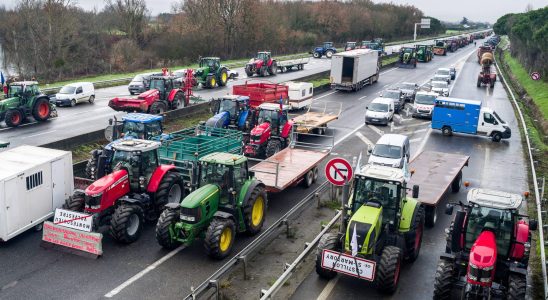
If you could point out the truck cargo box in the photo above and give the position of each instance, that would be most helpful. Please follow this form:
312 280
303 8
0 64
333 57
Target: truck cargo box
34 181
351 70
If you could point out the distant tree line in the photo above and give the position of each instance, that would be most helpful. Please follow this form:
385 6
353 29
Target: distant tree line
55 39
528 34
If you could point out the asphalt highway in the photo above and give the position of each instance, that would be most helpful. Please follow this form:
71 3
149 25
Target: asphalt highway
85 117
143 270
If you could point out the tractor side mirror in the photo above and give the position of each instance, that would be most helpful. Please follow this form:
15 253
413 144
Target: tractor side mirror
415 191
533 225
449 209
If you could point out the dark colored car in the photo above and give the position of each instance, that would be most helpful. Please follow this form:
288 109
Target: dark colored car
453 72
397 95
409 90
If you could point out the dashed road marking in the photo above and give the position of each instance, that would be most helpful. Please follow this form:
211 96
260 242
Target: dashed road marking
41 133
415 140
378 131
365 140
328 288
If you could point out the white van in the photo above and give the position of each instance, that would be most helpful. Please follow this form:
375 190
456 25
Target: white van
424 104
391 150
300 94
74 93
380 111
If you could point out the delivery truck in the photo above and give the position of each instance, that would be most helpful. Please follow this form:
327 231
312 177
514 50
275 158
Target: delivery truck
468 116
34 181
352 70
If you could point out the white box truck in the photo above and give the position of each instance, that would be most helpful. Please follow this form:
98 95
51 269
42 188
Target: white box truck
34 181
352 70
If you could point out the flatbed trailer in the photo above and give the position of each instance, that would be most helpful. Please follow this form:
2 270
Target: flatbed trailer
435 173
293 165
317 117
287 65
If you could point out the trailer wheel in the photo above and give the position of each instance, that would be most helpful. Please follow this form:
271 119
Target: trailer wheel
455 185
254 210
76 202
431 215
283 69
165 229
496 137
127 223
329 241
41 110
517 287
413 238
308 179
443 281
388 270
273 147
14 118
315 174
446 130
219 238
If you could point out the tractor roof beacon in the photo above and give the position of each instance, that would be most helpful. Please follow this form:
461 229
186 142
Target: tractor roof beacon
386 224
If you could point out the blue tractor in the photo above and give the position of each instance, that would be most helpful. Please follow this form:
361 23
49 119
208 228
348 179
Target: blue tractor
132 126
231 111
326 50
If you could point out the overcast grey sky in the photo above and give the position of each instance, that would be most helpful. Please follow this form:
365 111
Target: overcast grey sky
446 10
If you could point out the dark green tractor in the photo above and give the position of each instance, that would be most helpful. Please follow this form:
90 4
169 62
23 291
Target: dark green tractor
230 200
425 53
211 73
24 100
407 58
382 227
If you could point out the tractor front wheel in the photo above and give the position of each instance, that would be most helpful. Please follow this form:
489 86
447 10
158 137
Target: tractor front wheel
211 82
273 147
76 202
273 69
127 223
413 238
317 55
165 229
223 77
517 287
329 241
219 238
443 281
388 271
14 118
170 190
254 210
41 110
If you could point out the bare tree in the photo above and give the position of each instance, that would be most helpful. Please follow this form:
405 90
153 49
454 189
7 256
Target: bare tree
132 16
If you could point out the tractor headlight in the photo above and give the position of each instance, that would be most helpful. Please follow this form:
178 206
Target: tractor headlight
188 218
93 202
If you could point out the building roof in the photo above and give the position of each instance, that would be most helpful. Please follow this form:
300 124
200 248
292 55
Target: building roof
495 199
224 158
20 159
141 118
135 145
381 172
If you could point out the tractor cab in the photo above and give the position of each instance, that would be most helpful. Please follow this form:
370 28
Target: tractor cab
264 56
231 110
228 171
350 46
139 158
213 63
135 126
327 45
23 89
164 84
272 114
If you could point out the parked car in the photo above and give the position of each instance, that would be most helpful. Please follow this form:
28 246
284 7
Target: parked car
445 72
424 104
391 150
409 90
453 72
441 88
397 96
441 78
141 83
74 93
380 111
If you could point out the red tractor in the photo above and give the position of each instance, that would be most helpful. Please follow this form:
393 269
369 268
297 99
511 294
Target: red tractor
273 132
487 250
137 189
482 50
262 65
167 92
485 76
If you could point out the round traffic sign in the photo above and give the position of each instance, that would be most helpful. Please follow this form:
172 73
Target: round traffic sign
338 171
535 75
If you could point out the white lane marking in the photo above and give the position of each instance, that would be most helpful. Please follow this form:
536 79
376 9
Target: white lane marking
349 134
41 133
137 276
415 140
412 125
423 143
387 71
484 173
365 140
378 131
458 74
328 288
325 95
420 130
362 97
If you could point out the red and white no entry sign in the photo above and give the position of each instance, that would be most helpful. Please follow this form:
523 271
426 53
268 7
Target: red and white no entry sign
535 75
338 171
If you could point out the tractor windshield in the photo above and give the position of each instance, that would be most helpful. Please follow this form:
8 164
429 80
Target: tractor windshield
125 160
211 63
15 90
425 99
262 56
328 45
499 221
384 193
228 106
271 116
157 84
215 174
133 130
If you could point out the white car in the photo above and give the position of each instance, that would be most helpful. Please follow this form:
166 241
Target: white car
391 150
74 93
440 87
380 111
441 78
445 72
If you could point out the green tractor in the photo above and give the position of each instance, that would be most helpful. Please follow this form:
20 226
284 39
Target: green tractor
425 53
407 58
230 200
211 73
24 99
382 227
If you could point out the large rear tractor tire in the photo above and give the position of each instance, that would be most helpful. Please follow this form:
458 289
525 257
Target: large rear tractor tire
329 53
273 147
248 71
388 270
517 287
178 100
443 281
219 238
329 241
223 77
254 210
14 118
75 203
166 227
127 223
413 238
158 108
41 110
170 190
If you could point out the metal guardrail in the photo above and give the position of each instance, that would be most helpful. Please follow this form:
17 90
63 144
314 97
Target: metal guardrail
53 90
535 181
244 255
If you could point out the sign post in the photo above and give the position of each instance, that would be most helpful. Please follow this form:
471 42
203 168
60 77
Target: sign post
425 23
339 171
